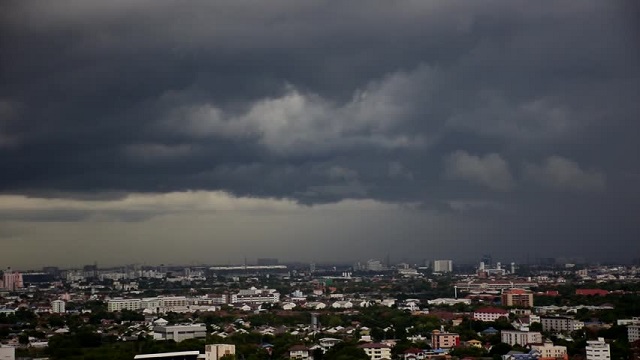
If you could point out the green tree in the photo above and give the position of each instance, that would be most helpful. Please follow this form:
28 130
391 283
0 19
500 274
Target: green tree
345 351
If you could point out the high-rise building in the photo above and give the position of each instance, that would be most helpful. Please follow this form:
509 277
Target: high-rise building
58 307
375 265
12 280
442 266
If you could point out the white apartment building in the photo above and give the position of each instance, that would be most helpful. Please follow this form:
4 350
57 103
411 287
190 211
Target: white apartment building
7 353
598 350
256 296
514 337
120 304
490 314
633 333
558 324
180 332
58 307
217 351
442 266
549 350
377 351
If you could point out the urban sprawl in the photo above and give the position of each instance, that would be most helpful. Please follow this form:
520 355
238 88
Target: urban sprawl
371 310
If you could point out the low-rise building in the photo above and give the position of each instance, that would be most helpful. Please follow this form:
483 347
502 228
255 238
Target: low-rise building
300 352
490 314
549 351
217 351
180 332
256 296
377 351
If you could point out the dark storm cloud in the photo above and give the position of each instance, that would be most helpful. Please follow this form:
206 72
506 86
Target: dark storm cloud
489 110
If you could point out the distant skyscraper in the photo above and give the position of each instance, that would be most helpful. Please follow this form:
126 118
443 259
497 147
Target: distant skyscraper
487 260
374 265
442 266
12 280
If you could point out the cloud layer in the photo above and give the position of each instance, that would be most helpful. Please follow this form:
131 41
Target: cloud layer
483 120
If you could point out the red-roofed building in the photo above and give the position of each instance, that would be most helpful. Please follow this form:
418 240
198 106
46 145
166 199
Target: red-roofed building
591 292
490 314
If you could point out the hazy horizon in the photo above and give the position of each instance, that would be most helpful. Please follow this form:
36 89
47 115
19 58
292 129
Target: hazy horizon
167 132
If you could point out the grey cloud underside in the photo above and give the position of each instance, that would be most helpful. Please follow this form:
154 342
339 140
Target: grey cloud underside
495 111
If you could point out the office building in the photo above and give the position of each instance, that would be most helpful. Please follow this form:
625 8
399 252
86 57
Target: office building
442 266
256 296
549 351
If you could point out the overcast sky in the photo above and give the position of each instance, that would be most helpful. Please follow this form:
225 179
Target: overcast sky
206 131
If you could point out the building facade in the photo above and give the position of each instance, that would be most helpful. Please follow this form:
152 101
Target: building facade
58 307
12 280
560 324
376 351
217 351
517 297
490 314
442 266
442 340
598 350
180 332
514 337
633 333
256 296
549 351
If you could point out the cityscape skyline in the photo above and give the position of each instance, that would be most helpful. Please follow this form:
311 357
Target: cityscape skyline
212 132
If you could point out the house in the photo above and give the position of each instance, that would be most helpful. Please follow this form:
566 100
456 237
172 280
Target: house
474 343
300 352
288 306
376 351
490 314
